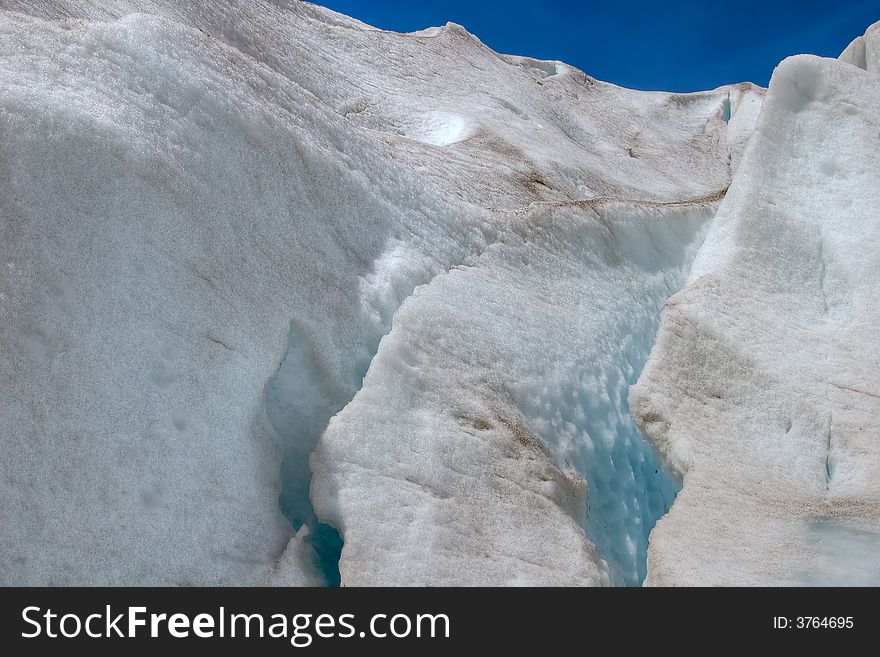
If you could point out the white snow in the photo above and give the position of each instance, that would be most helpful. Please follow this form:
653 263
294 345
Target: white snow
268 274
441 129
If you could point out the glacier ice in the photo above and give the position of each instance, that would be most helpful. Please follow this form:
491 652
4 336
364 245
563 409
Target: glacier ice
275 284
478 437
147 299
864 51
761 391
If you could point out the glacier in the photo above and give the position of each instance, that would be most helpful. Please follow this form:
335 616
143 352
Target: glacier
286 299
761 392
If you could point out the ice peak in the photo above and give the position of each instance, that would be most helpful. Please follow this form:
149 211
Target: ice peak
864 50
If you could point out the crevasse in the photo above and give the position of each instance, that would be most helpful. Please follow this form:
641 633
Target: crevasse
627 488
582 412
306 392
300 399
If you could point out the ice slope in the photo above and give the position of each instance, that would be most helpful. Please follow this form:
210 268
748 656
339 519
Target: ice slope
520 134
166 219
762 392
210 214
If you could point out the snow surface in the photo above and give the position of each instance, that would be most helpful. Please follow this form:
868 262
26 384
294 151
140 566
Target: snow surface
237 234
762 390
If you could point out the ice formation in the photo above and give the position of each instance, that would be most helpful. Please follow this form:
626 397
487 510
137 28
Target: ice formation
287 299
762 390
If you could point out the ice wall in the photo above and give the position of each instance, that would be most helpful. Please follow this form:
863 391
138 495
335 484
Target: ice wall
762 389
211 215
165 216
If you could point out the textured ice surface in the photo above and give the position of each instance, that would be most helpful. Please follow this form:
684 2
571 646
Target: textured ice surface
845 555
215 214
586 422
493 419
762 391
170 206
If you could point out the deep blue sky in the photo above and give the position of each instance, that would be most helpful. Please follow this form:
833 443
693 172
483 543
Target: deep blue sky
643 44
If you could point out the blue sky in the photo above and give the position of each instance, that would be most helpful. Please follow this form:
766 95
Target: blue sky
676 46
